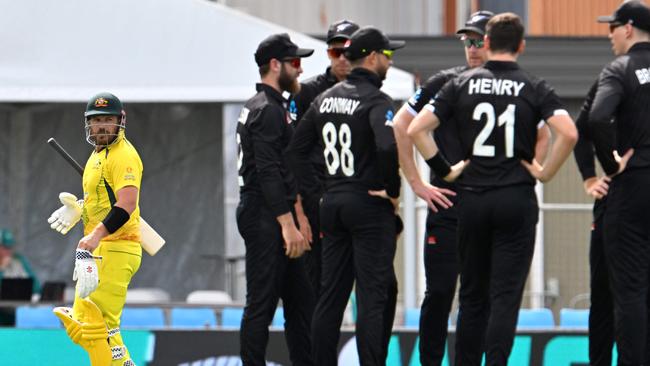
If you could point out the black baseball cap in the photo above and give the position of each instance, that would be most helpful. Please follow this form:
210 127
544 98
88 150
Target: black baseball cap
366 40
634 12
477 22
279 47
341 30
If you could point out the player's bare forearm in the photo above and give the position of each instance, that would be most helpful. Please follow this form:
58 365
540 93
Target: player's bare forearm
420 133
432 195
567 136
542 144
91 241
401 124
303 222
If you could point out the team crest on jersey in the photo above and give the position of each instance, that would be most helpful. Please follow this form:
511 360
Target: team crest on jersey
101 102
293 110
389 118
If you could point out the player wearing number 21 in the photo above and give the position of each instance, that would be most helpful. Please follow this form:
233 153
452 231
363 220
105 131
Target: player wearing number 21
352 123
496 109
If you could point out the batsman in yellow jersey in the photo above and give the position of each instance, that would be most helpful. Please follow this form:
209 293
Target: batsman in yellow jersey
109 254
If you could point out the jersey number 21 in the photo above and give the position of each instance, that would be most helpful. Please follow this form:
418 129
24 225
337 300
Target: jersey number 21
506 118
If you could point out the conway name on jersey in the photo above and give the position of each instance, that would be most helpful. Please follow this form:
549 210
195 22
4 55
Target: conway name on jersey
352 123
496 109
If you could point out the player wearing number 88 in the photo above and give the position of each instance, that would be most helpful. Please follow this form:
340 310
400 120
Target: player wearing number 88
496 109
352 124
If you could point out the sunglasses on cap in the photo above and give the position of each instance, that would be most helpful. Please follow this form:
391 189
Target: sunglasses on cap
295 62
388 53
335 52
469 42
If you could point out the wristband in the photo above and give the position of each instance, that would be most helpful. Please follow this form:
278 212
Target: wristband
115 219
439 165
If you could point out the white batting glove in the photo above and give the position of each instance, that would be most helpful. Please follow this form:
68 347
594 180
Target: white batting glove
85 272
66 217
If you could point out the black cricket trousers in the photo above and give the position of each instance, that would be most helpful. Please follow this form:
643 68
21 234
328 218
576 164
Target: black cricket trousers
271 275
441 272
313 257
601 312
627 249
496 230
359 242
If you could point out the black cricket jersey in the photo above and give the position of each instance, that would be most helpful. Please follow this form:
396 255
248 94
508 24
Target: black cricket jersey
623 96
309 90
263 133
495 110
445 136
352 124
584 151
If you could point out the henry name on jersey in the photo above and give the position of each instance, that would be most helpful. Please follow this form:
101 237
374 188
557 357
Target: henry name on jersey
339 105
495 86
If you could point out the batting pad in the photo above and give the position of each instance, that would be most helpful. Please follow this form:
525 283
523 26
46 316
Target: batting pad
90 332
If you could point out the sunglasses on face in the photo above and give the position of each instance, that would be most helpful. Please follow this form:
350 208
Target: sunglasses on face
387 53
295 62
469 42
614 25
335 52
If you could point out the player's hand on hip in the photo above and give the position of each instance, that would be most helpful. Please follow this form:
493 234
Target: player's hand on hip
66 217
597 187
535 169
85 272
456 171
434 197
294 242
384 195
622 160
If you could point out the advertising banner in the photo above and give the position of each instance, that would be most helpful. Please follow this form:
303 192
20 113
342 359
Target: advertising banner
221 347
52 347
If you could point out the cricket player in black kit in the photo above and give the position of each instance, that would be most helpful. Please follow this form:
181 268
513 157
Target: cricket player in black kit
495 109
352 122
623 95
265 215
601 311
337 34
441 267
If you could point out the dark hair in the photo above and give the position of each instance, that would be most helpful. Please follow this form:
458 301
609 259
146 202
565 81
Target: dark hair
264 69
505 32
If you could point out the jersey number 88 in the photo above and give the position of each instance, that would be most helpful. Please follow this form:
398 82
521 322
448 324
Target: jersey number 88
333 158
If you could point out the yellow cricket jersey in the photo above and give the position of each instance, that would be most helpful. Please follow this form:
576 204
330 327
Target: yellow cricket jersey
106 172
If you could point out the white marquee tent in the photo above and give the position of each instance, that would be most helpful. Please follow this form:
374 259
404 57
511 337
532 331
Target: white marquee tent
143 51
